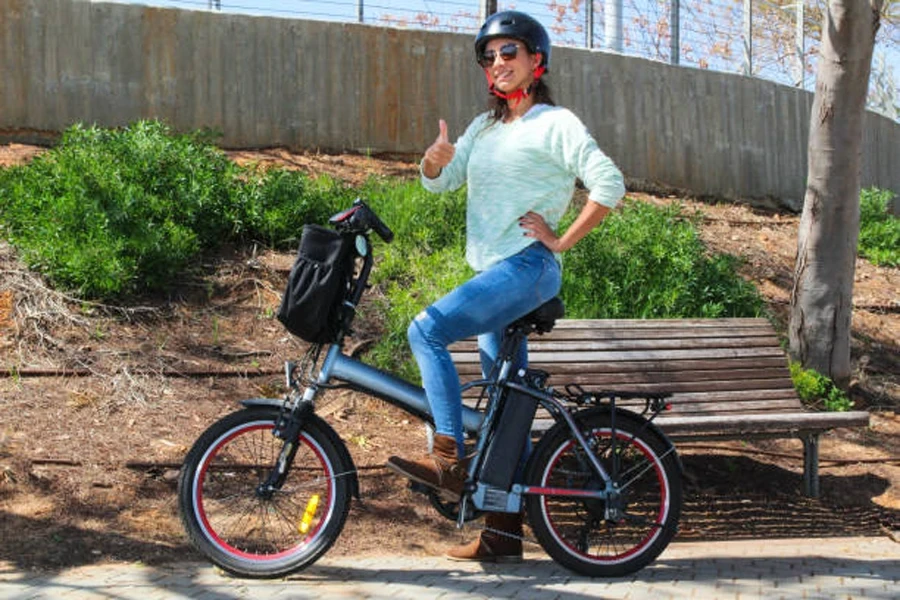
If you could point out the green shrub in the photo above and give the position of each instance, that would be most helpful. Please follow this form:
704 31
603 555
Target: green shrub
879 231
108 212
817 390
647 262
276 203
112 212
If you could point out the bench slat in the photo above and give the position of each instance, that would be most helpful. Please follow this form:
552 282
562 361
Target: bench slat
662 343
561 371
710 392
763 406
571 371
793 421
684 324
683 384
654 329
630 356
691 428
714 404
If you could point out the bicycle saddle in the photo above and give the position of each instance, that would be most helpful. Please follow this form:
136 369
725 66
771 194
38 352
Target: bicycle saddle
543 318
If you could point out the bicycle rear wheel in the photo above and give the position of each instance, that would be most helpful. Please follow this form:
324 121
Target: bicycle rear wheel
615 536
254 534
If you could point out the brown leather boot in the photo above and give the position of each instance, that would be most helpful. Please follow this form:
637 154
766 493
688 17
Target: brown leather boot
492 546
441 470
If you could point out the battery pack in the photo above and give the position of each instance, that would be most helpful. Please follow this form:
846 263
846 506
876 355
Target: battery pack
506 446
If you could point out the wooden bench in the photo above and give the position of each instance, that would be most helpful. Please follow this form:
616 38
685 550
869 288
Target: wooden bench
729 378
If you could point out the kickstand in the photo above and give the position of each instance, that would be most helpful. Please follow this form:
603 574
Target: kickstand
463 506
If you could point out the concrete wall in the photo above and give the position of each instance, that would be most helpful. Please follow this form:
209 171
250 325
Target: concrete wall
305 84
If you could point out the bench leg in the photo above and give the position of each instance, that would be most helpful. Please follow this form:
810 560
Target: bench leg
810 464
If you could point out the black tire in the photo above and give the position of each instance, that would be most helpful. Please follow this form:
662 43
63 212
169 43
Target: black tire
250 535
583 535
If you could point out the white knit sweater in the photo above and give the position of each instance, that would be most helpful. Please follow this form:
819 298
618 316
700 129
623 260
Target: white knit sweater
528 165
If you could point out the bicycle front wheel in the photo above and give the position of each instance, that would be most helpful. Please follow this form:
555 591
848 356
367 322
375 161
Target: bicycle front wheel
244 529
614 536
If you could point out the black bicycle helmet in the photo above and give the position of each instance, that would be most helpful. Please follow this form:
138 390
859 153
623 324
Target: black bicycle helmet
517 26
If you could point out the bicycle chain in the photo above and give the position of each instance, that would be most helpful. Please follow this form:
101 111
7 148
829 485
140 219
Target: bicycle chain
521 538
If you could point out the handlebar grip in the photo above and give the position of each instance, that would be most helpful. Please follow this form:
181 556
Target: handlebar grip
360 218
383 231
374 222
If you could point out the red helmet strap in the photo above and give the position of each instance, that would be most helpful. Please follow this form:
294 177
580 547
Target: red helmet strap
519 94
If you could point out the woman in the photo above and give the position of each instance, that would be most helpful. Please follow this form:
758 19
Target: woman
520 161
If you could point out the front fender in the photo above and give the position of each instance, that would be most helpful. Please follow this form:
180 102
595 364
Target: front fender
254 402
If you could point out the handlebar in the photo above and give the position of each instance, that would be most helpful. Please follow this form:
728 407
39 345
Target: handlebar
359 218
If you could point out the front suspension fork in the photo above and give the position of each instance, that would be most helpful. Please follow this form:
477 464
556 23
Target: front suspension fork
287 428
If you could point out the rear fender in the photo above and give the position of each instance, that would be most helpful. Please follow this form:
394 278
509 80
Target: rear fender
640 422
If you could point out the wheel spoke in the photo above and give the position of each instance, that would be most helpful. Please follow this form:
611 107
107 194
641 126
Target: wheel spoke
629 477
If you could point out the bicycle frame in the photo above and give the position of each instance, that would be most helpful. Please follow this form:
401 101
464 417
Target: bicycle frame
412 399
383 385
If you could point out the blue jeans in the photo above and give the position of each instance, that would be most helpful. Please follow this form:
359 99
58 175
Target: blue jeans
482 306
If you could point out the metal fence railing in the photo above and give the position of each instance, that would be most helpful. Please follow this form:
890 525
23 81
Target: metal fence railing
771 39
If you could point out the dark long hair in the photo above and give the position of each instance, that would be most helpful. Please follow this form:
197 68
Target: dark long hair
499 107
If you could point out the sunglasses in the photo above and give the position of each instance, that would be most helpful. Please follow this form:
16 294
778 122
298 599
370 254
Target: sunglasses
507 52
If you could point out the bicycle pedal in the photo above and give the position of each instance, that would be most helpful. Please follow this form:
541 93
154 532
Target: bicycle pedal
420 488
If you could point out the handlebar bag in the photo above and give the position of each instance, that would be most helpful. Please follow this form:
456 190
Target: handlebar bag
317 285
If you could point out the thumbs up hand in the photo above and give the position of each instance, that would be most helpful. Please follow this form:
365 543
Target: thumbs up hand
439 154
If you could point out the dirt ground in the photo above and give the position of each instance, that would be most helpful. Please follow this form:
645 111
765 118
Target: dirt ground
99 404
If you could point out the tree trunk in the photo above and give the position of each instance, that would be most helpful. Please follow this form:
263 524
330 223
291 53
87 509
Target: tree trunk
822 296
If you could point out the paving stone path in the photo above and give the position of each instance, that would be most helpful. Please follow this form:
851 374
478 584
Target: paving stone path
845 568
